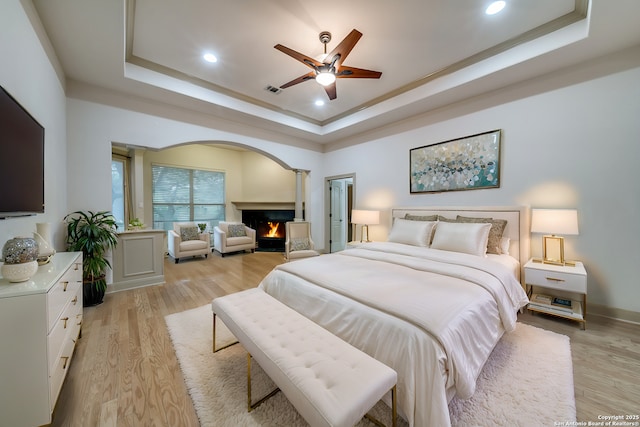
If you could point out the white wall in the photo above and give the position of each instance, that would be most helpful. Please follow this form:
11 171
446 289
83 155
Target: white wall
27 74
570 147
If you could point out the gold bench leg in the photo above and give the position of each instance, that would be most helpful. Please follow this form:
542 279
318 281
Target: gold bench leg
215 350
394 412
394 408
251 406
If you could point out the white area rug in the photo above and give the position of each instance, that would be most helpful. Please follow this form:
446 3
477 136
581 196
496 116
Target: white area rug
527 381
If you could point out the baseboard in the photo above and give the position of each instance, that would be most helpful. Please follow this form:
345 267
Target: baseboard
614 313
135 283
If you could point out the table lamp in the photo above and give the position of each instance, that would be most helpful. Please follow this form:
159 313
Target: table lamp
553 222
365 218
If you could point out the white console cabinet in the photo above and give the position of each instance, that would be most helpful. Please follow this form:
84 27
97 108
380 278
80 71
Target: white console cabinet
40 322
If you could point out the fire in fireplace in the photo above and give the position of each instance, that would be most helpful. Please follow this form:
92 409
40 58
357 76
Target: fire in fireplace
274 229
270 227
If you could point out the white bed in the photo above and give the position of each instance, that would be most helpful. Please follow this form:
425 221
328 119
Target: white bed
432 315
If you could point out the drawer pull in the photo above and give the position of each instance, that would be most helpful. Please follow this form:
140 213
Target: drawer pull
76 266
74 300
64 286
65 320
65 360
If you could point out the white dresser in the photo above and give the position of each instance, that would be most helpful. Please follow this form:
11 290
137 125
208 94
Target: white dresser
40 322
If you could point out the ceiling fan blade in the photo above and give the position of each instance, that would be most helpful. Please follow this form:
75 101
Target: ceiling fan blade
331 91
309 76
344 48
357 73
306 60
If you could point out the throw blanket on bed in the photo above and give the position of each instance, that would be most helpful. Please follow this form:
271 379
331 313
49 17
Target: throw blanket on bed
441 293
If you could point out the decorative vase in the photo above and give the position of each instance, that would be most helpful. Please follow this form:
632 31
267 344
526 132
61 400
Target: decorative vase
43 237
15 273
20 250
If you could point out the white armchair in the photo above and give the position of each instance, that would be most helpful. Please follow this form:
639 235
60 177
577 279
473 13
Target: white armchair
233 237
186 240
298 243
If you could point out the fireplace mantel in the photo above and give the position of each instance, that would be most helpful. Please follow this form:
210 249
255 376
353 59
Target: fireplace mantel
264 205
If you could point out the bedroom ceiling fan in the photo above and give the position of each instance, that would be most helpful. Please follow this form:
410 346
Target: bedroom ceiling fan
326 72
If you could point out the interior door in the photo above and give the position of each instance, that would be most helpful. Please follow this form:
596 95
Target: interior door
338 215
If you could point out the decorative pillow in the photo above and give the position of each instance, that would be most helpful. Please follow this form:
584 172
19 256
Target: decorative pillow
189 233
421 217
416 233
236 230
299 244
497 229
469 238
505 243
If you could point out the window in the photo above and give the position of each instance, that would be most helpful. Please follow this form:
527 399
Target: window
181 194
119 190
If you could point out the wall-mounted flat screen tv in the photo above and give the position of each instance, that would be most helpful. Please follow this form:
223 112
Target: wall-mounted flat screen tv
21 160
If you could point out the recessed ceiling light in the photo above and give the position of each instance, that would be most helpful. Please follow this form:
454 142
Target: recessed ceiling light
210 57
319 102
495 7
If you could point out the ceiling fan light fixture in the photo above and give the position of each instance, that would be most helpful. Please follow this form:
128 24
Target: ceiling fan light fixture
325 78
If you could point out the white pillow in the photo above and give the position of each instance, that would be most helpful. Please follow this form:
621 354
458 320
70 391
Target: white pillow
505 244
465 237
416 233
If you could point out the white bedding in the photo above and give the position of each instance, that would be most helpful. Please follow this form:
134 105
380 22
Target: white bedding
433 316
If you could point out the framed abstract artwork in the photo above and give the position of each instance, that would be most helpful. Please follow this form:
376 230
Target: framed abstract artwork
468 163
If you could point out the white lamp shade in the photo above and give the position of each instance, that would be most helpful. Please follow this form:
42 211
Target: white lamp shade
554 221
365 217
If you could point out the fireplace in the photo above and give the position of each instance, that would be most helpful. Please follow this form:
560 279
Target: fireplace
270 227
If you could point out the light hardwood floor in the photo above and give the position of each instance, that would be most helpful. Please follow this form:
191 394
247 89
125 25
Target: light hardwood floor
125 372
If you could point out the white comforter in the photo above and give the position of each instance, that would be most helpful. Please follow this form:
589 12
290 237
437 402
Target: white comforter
433 316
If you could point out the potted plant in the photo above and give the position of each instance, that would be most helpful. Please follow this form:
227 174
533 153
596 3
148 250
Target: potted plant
93 234
136 224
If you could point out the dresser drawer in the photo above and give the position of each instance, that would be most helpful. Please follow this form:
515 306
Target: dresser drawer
556 280
60 369
66 327
62 293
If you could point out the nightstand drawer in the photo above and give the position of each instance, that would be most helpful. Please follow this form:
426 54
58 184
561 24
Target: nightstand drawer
556 280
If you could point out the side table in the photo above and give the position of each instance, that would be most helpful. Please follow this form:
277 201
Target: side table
569 280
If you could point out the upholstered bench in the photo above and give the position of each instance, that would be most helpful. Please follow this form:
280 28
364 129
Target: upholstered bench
328 381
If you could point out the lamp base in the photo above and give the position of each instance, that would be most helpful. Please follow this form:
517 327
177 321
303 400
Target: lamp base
362 234
565 263
553 250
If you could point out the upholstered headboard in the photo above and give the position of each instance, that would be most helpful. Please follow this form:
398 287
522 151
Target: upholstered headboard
517 217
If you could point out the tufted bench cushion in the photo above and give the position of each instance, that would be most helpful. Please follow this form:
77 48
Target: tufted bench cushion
328 381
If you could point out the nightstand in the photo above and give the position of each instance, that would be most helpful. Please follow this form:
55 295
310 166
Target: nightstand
557 284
